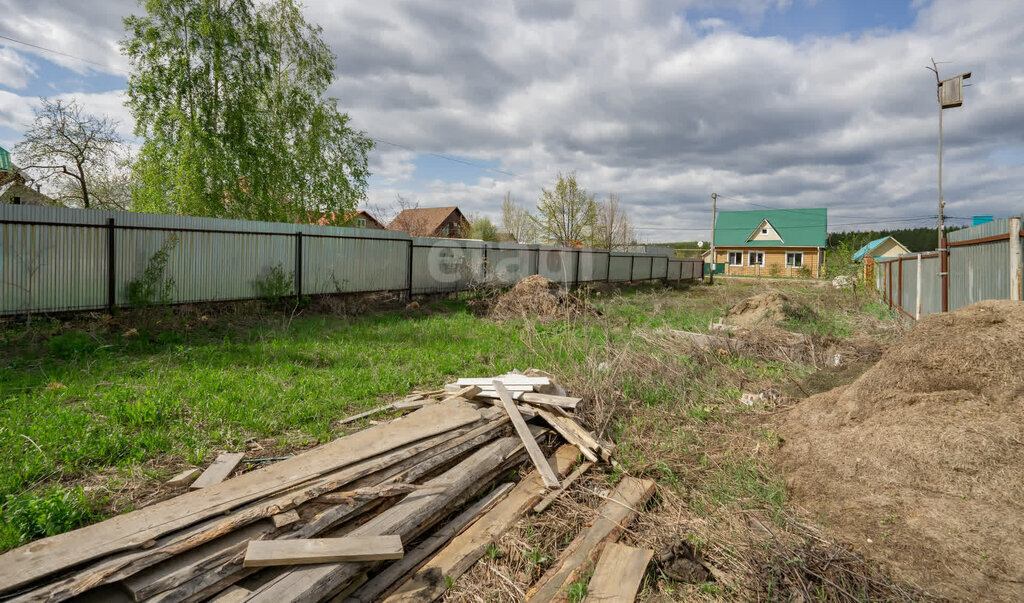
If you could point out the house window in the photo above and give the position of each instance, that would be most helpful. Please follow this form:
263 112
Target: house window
735 258
795 259
361 222
17 201
756 258
764 230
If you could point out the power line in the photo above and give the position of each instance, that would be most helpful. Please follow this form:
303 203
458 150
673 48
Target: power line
870 222
63 54
448 157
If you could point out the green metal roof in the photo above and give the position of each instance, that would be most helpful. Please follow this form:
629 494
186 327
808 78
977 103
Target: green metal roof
5 159
796 227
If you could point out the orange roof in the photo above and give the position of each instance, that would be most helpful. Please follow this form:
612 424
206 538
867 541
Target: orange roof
330 219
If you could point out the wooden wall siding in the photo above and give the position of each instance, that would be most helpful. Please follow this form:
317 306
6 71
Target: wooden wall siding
773 256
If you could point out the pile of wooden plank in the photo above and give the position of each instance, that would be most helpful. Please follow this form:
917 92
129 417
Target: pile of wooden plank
392 512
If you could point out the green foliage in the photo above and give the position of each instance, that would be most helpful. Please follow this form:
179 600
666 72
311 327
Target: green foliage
482 228
839 262
28 515
71 344
566 214
230 101
152 287
916 239
276 284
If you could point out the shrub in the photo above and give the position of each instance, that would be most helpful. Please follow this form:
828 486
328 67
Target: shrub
28 516
153 287
276 284
774 269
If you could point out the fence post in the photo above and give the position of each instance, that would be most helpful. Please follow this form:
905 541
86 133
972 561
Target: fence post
409 272
917 310
632 264
889 266
577 279
651 277
608 268
483 270
1015 260
111 267
944 272
298 265
899 285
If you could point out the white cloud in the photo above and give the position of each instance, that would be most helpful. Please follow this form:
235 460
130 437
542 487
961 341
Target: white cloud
15 69
643 102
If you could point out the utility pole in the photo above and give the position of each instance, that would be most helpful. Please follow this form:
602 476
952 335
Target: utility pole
714 258
949 93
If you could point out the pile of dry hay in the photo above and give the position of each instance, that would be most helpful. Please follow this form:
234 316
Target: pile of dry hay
764 308
920 462
537 296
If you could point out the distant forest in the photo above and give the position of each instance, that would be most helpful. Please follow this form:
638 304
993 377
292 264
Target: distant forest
916 239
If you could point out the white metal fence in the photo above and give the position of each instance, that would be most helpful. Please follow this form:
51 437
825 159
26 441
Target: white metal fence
57 259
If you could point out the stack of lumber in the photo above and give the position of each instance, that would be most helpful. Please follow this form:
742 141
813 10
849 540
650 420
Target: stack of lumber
391 512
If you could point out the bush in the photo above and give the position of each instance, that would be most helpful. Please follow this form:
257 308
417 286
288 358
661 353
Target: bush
774 269
276 284
72 343
152 287
28 516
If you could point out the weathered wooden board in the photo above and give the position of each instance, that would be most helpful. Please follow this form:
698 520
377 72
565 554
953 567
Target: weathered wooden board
283 519
234 594
218 470
564 402
392 576
506 380
414 514
181 568
429 584
613 517
532 449
182 479
618 574
572 432
265 553
41 558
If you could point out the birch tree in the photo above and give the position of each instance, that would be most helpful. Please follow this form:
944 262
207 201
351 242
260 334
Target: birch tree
566 213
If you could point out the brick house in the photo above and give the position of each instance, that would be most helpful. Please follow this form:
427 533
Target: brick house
441 222
774 242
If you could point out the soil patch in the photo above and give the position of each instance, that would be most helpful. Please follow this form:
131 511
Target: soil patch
764 308
536 296
920 461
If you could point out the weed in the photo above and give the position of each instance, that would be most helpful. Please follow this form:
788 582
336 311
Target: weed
27 516
72 344
153 287
275 285
493 551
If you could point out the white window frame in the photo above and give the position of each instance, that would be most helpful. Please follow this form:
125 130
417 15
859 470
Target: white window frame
730 255
752 262
791 259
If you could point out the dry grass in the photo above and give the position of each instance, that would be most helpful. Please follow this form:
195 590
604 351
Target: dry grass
674 413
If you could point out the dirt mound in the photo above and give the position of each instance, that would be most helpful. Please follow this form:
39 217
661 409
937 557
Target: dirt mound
769 307
920 461
537 296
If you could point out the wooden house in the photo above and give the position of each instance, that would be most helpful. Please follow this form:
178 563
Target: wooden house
772 242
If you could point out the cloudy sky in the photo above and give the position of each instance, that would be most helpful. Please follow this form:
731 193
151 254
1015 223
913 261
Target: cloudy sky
777 103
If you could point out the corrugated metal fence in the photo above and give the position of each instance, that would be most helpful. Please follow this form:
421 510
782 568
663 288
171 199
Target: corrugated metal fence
978 263
58 259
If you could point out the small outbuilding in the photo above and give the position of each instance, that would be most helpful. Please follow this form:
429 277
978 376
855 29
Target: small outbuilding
885 247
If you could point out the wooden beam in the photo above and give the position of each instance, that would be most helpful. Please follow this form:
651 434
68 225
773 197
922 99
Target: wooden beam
613 518
284 519
618 574
573 433
428 584
532 449
234 594
218 470
565 402
43 557
395 574
410 517
267 553
550 498
506 380
467 393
